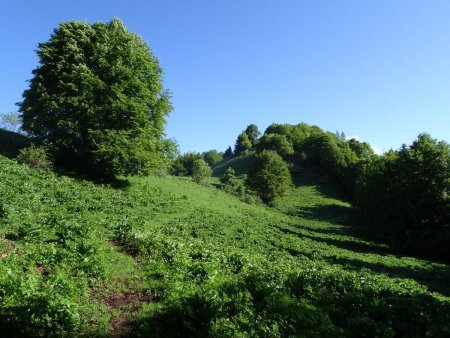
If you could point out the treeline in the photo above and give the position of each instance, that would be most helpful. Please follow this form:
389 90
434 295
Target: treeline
401 197
310 146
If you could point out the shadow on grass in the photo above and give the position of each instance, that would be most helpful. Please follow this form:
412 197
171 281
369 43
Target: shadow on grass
312 177
331 213
436 279
356 246
74 171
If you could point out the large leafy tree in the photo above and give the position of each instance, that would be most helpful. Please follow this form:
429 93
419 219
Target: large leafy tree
269 176
97 97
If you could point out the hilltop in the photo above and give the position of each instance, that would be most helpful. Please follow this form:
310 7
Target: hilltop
164 256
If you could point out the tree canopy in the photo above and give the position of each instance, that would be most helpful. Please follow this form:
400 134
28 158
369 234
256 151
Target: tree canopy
97 97
403 198
243 144
212 157
253 133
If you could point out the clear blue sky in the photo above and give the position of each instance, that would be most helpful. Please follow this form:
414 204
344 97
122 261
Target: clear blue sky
378 69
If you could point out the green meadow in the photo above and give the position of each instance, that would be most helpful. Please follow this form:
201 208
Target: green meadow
162 256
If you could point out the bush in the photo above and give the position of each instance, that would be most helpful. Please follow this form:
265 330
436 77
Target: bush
200 170
269 176
35 157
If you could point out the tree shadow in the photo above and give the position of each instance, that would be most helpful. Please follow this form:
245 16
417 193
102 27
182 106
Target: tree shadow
331 213
356 246
325 185
436 280
77 173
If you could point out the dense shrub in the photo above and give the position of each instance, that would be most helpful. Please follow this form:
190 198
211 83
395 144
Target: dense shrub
200 170
35 157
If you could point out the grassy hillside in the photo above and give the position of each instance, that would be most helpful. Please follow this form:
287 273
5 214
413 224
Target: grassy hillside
167 257
10 143
240 164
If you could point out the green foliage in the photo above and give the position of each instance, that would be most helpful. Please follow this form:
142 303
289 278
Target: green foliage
228 176
183 165
310 146
243 144
362 149
269 176
200 170
212 157
403 198
253 133
35 157
97 98
277 143
235 185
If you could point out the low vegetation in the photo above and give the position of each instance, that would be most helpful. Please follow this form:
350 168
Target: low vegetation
200 263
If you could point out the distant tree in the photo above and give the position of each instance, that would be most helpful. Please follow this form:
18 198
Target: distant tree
275 142
228 175
403 198
243 144
253 133
97 98
183 165
362 149
11 121
200 170
212 157
275 128
269 176
228 153
340 135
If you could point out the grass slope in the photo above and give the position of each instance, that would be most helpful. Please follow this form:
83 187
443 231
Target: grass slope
240 164
168 257
11 142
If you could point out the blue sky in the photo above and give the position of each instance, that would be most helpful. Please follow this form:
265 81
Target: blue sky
376 69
